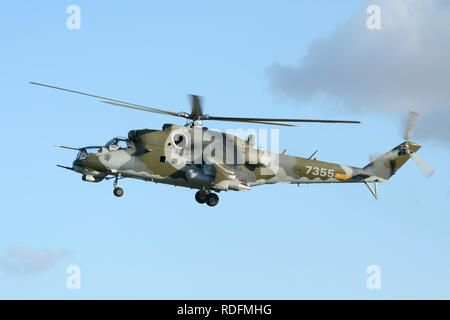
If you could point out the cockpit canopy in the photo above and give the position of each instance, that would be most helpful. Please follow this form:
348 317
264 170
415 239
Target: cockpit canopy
88 150
118 143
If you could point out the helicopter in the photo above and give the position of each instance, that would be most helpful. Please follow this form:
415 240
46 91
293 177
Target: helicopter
210 161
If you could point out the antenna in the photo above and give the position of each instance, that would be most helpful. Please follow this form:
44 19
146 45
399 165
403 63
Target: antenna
312 155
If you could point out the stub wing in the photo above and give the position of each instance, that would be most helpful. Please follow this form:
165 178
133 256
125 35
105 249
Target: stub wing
226 178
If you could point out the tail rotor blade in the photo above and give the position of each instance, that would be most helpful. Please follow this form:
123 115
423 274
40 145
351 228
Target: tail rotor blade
422 164
413 116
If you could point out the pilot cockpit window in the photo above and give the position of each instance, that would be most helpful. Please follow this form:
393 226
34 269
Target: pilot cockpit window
118 144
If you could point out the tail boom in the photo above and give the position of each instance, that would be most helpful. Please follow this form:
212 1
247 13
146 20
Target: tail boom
389 163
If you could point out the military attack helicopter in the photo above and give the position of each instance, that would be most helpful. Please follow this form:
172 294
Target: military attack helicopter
195 157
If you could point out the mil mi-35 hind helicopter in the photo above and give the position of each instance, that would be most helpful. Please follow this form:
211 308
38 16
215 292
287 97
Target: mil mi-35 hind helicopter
194 157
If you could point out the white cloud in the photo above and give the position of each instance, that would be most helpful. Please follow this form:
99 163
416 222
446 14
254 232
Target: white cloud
20 260
404 66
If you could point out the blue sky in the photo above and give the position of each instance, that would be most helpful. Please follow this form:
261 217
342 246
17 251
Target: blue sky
273 242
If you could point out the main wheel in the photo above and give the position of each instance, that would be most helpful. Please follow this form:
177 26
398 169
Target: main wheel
118 192
212 199
200 196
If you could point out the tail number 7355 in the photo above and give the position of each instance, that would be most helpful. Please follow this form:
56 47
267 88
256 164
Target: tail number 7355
323 172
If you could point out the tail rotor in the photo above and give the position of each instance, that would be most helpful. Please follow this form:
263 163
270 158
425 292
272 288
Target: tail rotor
412 120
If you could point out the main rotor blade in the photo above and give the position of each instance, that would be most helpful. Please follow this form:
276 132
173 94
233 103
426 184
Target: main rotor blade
271 123
429 171
119 103
412 120
144 108
196 107
196 112
261 122
274 120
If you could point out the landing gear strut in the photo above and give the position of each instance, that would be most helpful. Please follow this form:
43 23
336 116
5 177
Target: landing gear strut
118 192
203 196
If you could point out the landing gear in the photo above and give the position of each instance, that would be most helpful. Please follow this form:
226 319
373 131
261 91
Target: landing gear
200 196
212 199
203 196
118 192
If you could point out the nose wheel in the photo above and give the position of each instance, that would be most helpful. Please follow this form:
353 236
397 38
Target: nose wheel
211 199
118 191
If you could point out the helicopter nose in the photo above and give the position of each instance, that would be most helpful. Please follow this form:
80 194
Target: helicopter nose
78 165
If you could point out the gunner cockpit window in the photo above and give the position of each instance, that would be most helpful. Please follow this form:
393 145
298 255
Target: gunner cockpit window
82 154
88 150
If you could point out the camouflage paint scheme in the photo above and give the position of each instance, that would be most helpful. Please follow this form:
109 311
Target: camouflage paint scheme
150 156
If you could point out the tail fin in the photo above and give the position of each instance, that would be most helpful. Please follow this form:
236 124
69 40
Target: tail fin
388 164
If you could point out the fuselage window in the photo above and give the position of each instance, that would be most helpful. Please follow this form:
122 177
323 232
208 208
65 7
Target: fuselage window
180 140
